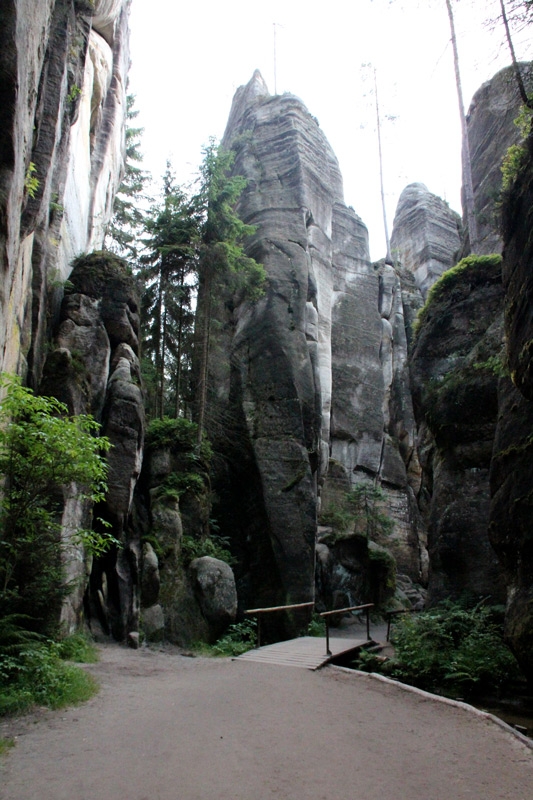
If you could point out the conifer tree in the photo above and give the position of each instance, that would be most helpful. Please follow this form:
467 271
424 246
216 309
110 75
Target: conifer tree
168 271
127 223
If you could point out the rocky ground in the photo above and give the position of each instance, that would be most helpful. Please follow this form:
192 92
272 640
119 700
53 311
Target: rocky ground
165 726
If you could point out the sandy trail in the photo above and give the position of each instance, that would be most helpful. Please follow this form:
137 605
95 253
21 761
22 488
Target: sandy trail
167 727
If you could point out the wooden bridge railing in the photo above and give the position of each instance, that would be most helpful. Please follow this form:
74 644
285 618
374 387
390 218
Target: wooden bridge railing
259 611
325 614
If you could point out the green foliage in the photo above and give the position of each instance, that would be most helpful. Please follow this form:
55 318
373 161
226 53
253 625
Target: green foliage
214 546
6 743
360 511
222 231
179 434
516 154
493 364
453 650
512 163
168 270
31 181
126 228
74 93
239 638
178 483
39 676
78 647
317 626
43 452
471 270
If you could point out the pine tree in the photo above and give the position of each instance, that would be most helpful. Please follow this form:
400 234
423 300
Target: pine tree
127 224
168 271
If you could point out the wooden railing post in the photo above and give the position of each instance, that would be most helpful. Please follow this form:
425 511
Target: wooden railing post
258 611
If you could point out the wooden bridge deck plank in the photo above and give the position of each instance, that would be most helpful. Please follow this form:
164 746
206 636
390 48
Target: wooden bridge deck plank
306 651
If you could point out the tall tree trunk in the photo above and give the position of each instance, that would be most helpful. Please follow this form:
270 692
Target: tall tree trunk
388 257
204 352
467 163
161 376
516 67
158 312
179 349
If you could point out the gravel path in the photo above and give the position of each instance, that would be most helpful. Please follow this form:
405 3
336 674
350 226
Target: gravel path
167 727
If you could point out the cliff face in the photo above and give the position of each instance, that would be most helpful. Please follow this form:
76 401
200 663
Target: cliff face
313 373
491 131
63 65
464 404
455 380
511 473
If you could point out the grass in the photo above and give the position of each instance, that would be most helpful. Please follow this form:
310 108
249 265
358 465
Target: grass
36 673
6 743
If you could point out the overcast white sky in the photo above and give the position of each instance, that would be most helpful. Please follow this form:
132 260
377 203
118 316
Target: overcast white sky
188 58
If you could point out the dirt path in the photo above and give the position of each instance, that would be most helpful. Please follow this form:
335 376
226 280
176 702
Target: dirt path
166 727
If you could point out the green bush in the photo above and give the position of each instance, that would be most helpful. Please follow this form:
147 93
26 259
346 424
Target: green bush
213 546
317 626
452 650
38 676
79 648
32 669
42 451
239 638
177 483
178 433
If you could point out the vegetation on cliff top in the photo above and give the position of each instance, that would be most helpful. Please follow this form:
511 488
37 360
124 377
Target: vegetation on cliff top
470 271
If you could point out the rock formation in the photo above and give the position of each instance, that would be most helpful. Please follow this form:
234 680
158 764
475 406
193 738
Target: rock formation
426 235
93 367
184 598
455 371
462 399
511 473
63 65
491 131
317 366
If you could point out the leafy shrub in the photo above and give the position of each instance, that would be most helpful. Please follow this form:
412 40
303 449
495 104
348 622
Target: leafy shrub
179 433
516 154
317 626
37 675
239 638
213 546
452 650
79 648
42 451
177 483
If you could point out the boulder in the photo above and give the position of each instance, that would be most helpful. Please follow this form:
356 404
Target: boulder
213 583
153 623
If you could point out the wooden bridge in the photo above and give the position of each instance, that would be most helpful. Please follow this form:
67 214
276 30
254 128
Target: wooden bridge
309 652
